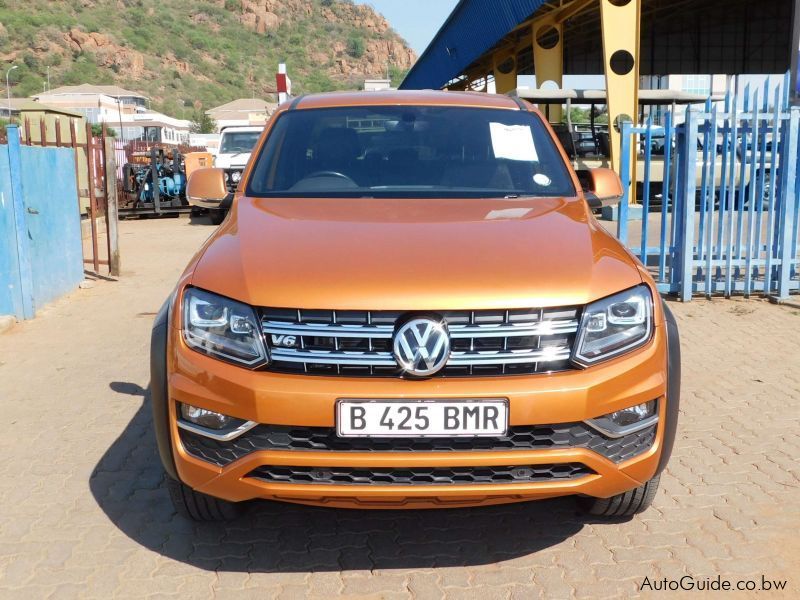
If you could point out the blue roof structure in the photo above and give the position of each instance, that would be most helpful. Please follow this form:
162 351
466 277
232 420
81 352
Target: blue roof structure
473 27
701 37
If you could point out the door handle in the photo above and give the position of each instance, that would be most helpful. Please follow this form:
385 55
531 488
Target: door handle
33 211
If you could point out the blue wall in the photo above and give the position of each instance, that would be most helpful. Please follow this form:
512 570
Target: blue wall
10 292
41 255
53 220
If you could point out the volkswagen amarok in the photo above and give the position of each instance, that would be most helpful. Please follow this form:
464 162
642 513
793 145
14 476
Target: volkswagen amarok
411 305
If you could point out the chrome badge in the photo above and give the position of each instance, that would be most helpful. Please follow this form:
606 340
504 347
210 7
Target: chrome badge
422 346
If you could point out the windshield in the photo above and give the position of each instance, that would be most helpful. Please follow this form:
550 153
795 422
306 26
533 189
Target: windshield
409 151
238 141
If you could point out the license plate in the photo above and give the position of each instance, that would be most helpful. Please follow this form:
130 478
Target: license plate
421 418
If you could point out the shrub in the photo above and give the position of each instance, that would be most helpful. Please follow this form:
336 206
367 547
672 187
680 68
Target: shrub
356 47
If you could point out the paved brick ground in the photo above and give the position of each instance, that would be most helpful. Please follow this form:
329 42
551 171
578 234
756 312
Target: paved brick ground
83 511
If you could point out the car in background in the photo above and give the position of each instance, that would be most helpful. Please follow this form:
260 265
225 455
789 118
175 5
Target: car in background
588 145
235 146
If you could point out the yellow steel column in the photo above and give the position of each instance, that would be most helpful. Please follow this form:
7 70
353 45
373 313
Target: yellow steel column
620 26
505 71
548 57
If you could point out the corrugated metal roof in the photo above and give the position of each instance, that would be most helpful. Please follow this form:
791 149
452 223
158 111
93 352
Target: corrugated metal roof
473 27
243 105
87 88
28 105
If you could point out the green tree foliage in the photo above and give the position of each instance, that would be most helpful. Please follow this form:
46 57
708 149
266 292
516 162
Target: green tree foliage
356 47
97 130
202 123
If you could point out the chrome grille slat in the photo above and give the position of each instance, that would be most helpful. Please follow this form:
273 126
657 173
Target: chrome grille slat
358 343
506 358
315 329
384 332
546 328
377 359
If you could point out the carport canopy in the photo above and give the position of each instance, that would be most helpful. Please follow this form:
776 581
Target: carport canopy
676 36
623 39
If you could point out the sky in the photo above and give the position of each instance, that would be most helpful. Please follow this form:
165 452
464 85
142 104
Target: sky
416 20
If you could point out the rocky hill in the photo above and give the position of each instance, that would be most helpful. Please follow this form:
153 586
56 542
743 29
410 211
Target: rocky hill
189 54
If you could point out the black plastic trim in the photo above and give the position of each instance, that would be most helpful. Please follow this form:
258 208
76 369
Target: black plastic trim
518 101
673 389
159 398
227 201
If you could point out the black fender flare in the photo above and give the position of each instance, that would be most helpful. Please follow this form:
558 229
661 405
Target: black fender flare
673 388
159 397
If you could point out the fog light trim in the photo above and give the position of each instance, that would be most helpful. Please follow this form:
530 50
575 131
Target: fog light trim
231 432
608 428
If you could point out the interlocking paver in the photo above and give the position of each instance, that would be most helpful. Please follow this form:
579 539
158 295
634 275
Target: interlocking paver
83 510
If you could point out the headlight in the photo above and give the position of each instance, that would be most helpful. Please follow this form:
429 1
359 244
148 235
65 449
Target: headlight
236 176
222 328
615 325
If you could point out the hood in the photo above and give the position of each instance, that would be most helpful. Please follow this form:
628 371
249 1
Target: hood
402 254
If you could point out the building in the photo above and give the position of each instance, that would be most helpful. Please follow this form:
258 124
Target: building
710 86
20 108
242 112
98 103
376 85
122 110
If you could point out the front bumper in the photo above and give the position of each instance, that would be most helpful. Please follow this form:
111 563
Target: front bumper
320 472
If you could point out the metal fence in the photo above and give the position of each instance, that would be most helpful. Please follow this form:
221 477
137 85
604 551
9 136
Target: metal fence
725 217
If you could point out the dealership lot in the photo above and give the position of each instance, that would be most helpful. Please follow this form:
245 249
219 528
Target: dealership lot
84 510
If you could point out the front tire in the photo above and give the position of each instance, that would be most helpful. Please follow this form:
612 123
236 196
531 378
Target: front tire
198 506
627 504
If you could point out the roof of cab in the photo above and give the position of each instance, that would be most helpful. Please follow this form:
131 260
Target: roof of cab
403 97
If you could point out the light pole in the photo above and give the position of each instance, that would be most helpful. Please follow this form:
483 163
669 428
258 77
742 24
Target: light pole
119 114
8 88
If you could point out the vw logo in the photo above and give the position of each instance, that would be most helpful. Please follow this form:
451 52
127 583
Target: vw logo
422 346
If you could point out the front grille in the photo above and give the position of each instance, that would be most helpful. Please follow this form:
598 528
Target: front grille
359 343
230 184
420 475
324 439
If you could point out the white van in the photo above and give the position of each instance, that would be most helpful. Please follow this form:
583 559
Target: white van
235 145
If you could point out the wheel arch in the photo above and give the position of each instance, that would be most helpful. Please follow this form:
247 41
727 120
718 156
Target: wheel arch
673 388
159 397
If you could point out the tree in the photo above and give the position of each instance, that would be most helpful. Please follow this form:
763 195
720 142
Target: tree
202 123
97 130
356 47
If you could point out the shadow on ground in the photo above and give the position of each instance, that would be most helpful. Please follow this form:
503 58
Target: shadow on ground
128 484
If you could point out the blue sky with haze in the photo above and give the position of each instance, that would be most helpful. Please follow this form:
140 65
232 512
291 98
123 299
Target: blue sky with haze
416 20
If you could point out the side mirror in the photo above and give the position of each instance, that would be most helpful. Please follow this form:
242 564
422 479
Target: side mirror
602 187
206 188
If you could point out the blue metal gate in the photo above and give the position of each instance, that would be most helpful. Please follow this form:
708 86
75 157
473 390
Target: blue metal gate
724 218
40 232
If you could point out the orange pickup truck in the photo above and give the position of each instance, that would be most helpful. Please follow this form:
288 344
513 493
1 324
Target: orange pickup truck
410 305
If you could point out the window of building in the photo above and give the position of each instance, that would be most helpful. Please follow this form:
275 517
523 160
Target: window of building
697 84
